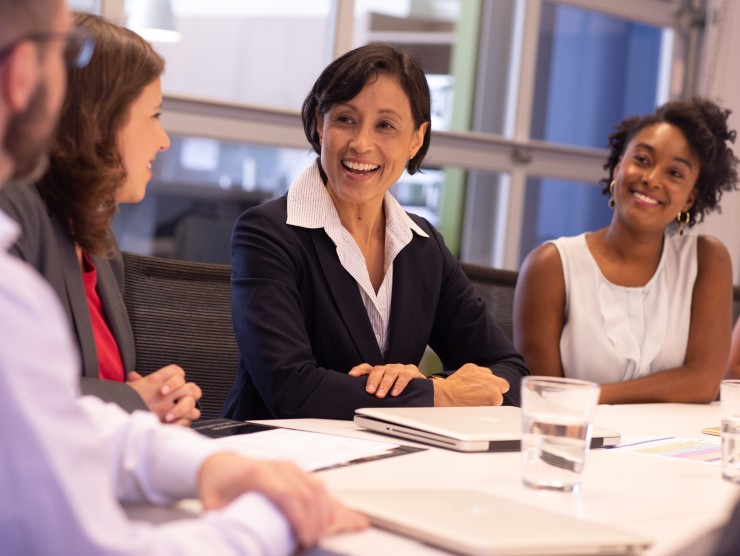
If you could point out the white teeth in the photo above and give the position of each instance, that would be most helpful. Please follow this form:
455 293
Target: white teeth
645 198
360 166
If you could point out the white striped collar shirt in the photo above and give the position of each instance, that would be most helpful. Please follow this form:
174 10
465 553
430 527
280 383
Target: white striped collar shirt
310 206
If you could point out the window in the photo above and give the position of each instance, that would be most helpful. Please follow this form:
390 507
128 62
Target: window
580 71
524 95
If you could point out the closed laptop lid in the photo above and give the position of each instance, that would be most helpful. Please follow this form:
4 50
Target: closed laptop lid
489 428
472 522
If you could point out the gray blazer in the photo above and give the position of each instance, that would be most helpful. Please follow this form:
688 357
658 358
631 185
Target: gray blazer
45 244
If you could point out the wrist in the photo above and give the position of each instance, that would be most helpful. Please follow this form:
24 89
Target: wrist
441 395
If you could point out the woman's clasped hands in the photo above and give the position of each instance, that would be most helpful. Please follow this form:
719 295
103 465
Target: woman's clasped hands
470 385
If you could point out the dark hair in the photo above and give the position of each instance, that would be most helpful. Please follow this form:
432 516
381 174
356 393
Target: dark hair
345 77
704 124
85 165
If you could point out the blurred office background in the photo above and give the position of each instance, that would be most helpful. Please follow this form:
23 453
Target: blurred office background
524 93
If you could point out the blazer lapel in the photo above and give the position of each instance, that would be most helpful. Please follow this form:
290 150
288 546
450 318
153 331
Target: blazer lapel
77 300
347 299
408 293
111 299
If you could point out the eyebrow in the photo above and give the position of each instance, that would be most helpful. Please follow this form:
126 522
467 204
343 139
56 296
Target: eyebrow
390 111
676 158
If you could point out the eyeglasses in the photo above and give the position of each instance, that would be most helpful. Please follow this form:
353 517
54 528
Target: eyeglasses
78 50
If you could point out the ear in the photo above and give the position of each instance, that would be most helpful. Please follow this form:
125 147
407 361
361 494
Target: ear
319 123
616 167
690 200
418 139
19 76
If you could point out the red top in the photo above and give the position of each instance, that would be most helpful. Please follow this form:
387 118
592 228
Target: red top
110 364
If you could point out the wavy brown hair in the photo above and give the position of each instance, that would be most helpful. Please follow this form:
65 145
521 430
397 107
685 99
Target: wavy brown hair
704 124
85 165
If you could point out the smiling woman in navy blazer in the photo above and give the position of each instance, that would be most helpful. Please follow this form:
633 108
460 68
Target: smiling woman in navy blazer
336 290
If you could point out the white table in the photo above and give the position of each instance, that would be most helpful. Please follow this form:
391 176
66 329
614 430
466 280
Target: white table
674 502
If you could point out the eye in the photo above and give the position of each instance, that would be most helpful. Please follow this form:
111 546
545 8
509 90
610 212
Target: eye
641 159
344 119
385 124
676 173
157 116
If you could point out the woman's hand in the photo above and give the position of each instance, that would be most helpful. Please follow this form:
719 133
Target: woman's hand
300 496
470 385
167 395
382 377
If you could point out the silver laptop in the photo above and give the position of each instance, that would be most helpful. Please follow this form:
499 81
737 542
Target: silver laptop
471 522
467 429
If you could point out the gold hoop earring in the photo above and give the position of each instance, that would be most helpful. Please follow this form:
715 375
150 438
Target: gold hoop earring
683 219
612 202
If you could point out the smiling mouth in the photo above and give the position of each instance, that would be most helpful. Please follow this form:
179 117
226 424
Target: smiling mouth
645 199
360 168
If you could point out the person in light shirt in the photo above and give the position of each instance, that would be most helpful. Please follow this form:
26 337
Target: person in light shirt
68 463
337 291
101 155
644 305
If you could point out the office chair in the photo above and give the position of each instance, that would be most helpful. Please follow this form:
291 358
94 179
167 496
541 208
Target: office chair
180 313
496 287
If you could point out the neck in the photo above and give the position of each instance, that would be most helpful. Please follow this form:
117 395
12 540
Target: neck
628 244
364 221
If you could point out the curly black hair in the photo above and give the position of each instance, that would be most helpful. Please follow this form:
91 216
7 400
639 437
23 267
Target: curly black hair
704 124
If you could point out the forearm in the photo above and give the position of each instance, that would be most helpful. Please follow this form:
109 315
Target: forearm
512 372
677 385
119 393
149 462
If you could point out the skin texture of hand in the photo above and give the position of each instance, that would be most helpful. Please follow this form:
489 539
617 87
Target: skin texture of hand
470 385
382 377
301 496
167 395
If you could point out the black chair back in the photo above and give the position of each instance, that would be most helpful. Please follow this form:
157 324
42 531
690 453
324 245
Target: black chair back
496 287
180 313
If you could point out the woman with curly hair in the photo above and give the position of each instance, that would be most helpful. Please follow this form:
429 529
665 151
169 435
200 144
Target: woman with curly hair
643 306
108 137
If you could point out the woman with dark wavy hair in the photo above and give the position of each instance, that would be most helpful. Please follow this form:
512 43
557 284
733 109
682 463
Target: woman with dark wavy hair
108 137
337 291
643 306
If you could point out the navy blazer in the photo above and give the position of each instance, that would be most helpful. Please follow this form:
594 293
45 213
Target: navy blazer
46 245
301 325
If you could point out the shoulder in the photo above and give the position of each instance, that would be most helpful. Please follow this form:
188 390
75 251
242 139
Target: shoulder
710 245
28 302
22 202
266 218
434 234
543 259
712 253
270 211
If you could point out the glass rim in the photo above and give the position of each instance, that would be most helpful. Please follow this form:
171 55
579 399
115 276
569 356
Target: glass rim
732 382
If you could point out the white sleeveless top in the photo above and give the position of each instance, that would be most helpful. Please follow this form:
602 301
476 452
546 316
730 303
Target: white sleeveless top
615 333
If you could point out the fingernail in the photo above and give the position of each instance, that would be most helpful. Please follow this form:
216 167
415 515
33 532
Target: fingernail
169 417
165 390
381 393
370 388
395 392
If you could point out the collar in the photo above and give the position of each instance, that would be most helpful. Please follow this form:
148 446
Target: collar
310 206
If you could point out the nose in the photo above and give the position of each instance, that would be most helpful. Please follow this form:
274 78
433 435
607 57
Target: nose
165 144
649 176
361 140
